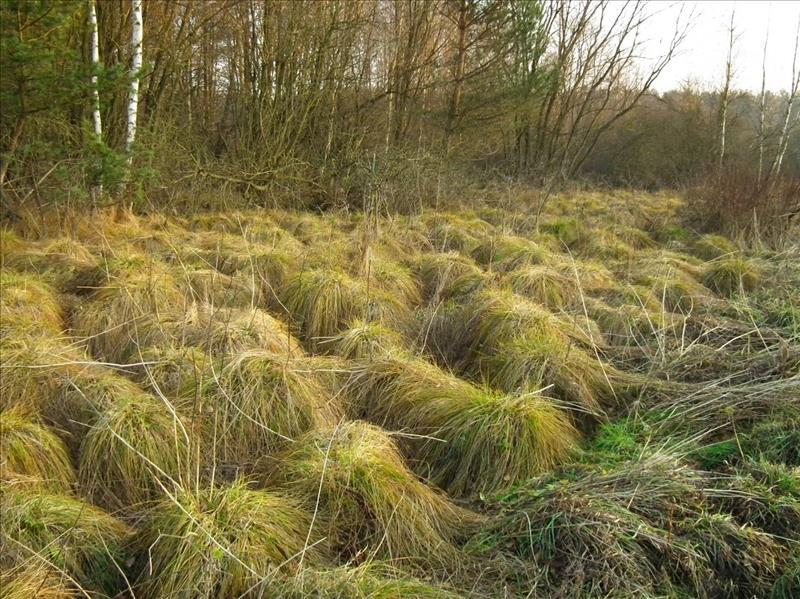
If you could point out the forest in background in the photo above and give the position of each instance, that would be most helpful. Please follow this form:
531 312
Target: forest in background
327 104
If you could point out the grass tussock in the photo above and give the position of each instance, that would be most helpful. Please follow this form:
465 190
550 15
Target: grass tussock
467 439
323 302
137 447
140 305
711 247
222 542
367 341
29 448
29 306
732 275
35 370
40 581
544 285
370 502
258 401
370 580
448 275
228 331
71 536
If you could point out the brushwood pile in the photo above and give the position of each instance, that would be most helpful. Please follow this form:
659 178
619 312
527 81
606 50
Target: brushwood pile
267 403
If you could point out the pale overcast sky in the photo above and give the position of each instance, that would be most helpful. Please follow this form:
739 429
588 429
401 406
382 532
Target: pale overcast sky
702 55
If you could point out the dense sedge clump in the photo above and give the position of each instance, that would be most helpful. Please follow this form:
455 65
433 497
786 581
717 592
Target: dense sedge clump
222 542
29 448
35 369
56 260
369 580
506 252
467 439
642 527
447 275
545 285
677 288
394 279
266 268
322 302
500 316
141 305
588 276
569 231
258 401
29 306
369 501
173 370
26 581
227 331
209 286
538 359
72 536
367 340
628 324
729 276
711 247
137 446
447 236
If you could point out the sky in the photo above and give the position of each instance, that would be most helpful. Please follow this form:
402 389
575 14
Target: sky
702 56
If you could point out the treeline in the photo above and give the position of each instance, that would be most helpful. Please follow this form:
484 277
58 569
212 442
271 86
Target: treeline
329 100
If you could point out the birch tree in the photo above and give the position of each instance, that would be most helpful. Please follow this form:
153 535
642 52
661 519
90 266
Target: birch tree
726 92
786 129
762 110
96 119
136 67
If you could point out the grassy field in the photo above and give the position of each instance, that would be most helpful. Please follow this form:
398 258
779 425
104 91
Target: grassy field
454 404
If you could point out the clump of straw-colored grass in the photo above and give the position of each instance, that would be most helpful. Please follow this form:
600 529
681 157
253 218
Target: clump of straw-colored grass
499 316
538 360
226 331
323 302
369 580
711 247
467 439
172 370
68 534
367 340
731 275
54 260
29 306
448 275
507 252
258 401
33 580
545 285
137 445
369 501
209 286
29 448
140 305
226 541
34 369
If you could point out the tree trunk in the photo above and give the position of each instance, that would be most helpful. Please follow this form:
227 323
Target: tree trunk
97 189
136 67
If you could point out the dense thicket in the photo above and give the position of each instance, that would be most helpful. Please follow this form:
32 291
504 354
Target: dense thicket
331 101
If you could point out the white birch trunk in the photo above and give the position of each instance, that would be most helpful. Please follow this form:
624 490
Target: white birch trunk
136 67
783 140
726 92
96 120
762 110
